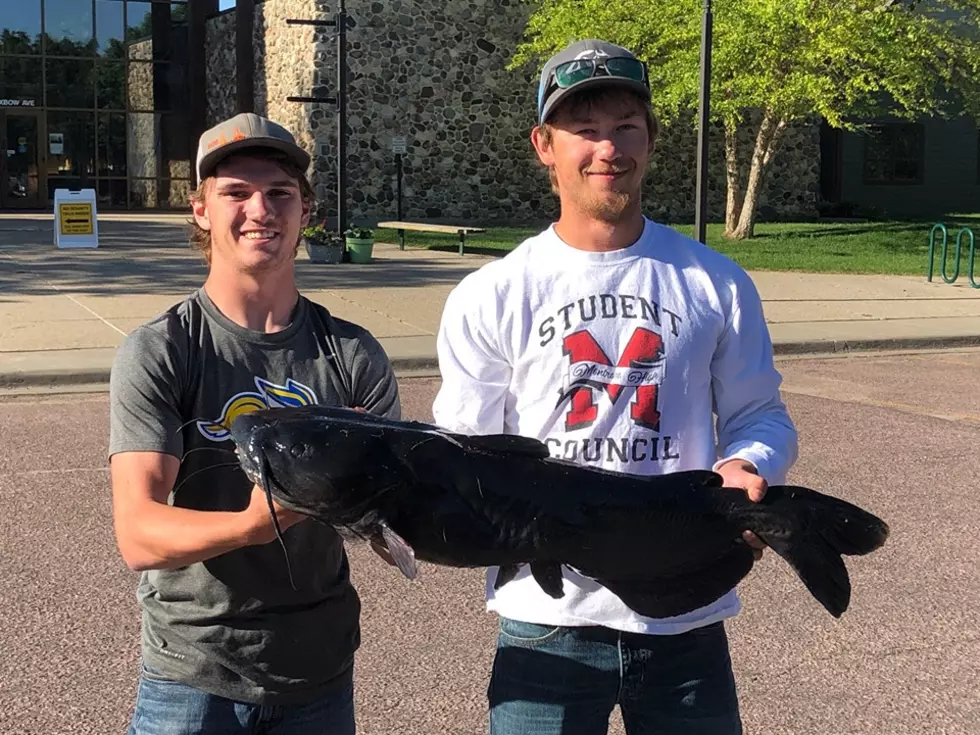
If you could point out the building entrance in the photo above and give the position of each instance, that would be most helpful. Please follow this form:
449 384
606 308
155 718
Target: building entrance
22 181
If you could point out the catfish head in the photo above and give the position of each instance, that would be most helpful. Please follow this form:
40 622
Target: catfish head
320 462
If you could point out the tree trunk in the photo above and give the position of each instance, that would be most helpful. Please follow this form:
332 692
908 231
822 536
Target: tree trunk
733 205
766 141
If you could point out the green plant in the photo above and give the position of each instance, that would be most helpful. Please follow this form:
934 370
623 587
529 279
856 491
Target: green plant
781 63
320 235
359 233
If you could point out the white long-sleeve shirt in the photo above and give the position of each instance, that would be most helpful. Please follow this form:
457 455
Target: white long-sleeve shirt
630 360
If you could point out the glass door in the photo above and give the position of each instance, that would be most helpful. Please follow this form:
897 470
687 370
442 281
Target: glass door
21 184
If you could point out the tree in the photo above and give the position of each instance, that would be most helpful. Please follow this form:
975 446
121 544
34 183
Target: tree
776 62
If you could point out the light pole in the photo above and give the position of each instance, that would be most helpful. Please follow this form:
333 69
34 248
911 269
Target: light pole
701 203
341 118
340 23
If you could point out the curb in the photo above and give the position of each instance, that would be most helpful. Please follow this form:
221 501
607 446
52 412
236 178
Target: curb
428 365
845 346
407 367
48 378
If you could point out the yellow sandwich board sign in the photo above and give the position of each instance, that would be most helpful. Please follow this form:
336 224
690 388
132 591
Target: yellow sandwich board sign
75 219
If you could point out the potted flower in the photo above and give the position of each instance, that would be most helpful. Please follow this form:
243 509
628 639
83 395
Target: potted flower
360 244
323 245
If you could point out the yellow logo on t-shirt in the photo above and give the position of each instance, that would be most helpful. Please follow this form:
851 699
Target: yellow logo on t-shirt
269 395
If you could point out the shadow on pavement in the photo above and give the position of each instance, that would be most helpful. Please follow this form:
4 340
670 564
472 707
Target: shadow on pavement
156 258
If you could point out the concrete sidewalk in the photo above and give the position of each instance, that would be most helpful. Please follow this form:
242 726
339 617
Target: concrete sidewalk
63 312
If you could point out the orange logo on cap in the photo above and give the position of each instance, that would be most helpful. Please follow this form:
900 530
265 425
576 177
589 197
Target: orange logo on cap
239 135
220 140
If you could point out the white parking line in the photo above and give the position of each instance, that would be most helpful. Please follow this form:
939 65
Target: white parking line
68 296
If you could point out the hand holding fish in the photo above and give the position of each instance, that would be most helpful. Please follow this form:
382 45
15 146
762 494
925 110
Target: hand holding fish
259 527
742 474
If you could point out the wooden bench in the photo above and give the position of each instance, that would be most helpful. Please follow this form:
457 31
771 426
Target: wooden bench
459 230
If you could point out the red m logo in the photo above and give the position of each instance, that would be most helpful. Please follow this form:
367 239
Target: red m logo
644 349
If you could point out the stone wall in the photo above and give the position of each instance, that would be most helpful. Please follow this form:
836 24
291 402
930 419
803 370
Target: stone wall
142 135
285 66
156 156
219 60
435 73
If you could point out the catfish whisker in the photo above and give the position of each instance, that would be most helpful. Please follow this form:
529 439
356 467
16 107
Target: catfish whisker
205 469
192 421
210 449
266 485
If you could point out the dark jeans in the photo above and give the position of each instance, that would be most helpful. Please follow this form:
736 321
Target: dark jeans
170 708
549 680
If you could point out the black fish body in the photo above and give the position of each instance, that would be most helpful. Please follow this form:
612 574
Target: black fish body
665 545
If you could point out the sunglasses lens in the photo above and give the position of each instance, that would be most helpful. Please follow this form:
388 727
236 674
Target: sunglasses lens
573 72
629 68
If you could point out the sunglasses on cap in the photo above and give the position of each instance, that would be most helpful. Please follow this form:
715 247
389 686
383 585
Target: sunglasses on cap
578 70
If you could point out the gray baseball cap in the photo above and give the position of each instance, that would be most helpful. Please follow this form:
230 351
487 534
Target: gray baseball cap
245 130
589 63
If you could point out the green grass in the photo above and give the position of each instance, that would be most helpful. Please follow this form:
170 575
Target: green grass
894 247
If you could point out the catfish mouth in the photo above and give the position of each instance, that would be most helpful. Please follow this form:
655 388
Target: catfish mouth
252 461
248 433
292 459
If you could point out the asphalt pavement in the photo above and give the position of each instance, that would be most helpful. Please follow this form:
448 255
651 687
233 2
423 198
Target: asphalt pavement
895 433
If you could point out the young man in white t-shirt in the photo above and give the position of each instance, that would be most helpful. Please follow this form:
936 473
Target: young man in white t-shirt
625 345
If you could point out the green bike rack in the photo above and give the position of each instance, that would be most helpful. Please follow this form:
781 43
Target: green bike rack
973 254
956 254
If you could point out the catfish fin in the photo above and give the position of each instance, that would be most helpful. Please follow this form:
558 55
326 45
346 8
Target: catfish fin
400 551
548 576
505 444
668 597
505 574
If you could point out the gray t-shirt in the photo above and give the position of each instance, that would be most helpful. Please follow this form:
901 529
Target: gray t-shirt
233 625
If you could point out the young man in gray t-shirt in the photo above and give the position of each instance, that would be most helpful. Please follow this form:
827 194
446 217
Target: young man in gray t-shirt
226 640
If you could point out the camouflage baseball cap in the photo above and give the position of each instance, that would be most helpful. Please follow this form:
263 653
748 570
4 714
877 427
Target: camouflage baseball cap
246 130
589 63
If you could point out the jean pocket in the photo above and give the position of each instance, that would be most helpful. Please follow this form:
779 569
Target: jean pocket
151 674
527 635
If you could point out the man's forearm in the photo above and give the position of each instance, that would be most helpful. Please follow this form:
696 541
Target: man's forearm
159 536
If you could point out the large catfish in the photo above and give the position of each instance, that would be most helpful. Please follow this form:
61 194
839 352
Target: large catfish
665 545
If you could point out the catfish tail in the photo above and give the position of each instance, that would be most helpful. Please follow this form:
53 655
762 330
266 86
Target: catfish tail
811 531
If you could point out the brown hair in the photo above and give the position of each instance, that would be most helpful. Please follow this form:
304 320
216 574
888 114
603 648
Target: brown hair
200 239
582 103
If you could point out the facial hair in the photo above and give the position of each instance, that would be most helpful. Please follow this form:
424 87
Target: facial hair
611 207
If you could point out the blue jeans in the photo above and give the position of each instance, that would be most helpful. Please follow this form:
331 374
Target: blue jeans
166 707
549 680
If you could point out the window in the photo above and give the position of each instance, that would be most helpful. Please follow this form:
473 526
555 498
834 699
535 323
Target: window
894 153
20 78
20 29
68 27
109 28
110 79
